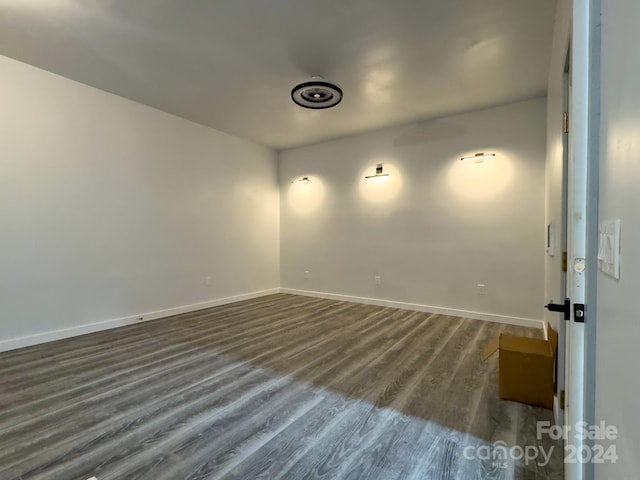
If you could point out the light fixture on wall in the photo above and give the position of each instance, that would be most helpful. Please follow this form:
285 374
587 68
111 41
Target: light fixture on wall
479 157
380 176
303 180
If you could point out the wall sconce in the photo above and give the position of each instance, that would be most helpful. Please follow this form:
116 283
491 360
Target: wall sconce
479 157
379 176
303 180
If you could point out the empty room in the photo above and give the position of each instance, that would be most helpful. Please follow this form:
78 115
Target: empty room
303 239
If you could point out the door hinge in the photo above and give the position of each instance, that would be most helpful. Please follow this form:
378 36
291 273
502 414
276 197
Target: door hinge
564 262
562 398
565 122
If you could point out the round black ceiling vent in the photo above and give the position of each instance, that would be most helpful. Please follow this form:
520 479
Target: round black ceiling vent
317 94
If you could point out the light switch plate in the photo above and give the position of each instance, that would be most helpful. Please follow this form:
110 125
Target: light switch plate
609 248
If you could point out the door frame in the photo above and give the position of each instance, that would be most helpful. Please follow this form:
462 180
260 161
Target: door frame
593 188
582 221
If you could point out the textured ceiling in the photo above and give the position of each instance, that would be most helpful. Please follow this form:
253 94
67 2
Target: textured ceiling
231 64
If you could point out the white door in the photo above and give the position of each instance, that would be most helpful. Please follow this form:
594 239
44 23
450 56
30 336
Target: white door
571 365
571 334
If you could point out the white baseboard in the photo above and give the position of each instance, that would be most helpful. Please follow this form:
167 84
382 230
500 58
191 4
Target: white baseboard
523 322
36 339
30 340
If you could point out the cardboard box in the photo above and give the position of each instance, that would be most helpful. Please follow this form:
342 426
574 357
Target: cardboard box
527 367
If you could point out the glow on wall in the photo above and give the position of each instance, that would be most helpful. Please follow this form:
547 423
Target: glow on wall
380 189
478 180
306 194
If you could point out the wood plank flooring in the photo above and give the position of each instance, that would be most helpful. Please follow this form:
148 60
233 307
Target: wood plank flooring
280 387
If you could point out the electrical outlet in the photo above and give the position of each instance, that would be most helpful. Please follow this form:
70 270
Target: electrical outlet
481 289
378 279
207 281
307 274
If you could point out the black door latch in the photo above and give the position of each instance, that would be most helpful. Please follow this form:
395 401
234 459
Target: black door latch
562 308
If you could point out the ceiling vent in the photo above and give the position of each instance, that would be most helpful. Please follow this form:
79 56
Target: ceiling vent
317 94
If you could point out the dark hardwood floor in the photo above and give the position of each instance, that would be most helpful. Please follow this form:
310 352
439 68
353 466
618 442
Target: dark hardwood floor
282 386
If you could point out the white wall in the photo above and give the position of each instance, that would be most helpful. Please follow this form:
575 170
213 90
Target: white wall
437 228
110 209
617 381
